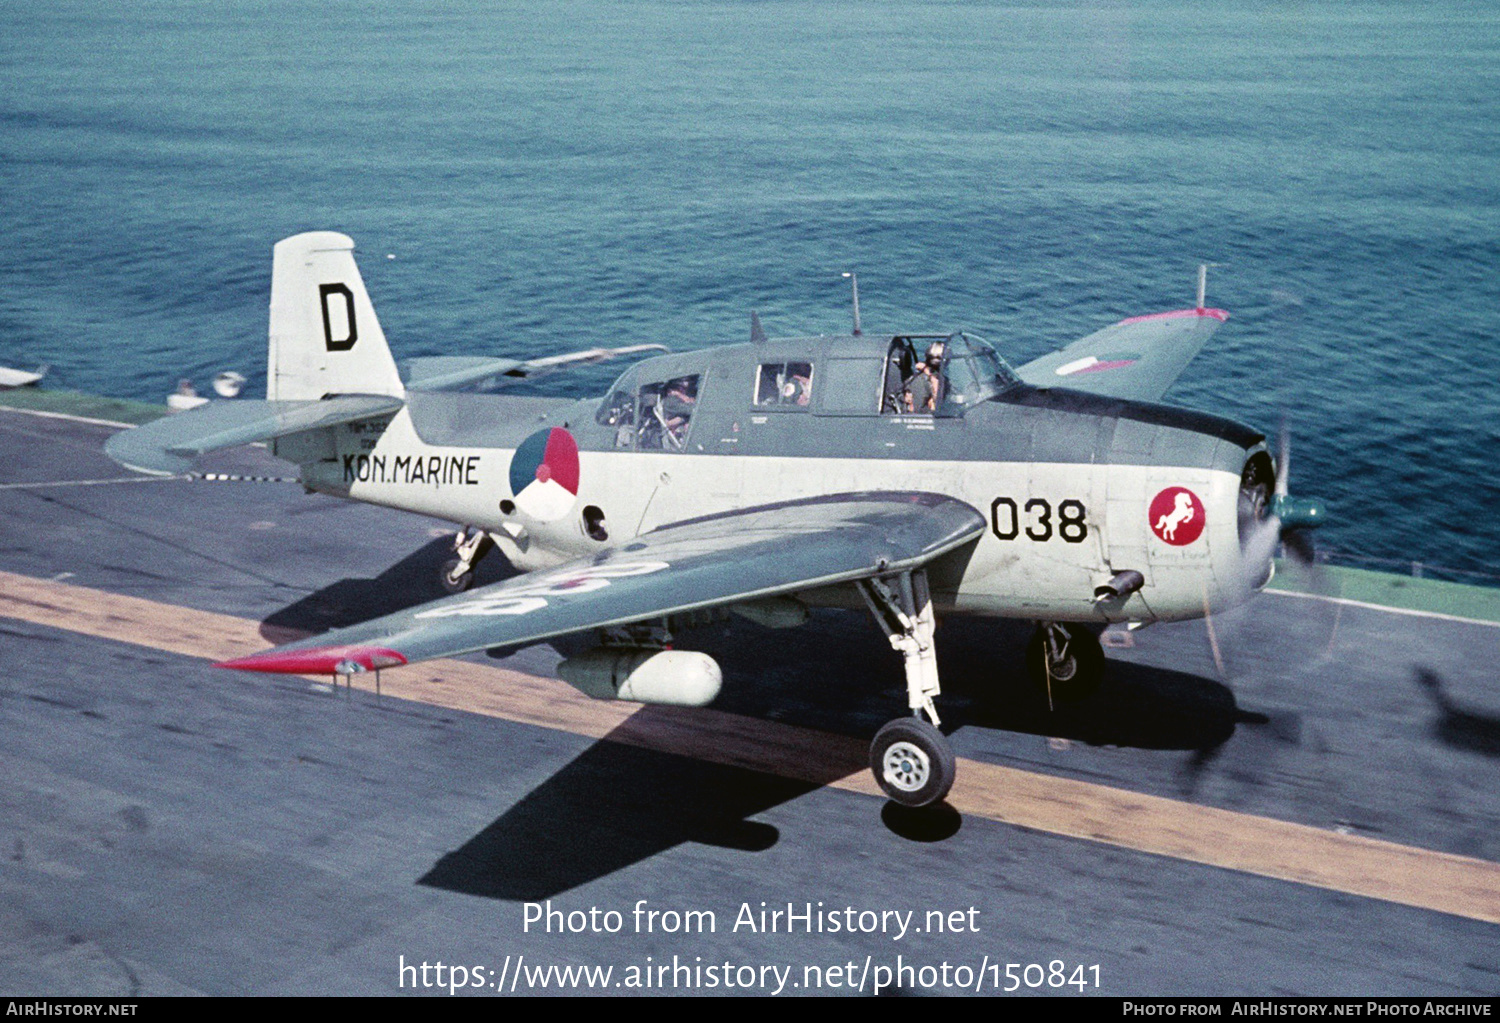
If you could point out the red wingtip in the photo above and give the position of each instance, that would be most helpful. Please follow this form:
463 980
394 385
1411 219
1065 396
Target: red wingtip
327 660
1177 314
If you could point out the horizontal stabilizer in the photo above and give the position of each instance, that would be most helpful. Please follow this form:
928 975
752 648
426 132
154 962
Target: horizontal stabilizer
443 372
168 446
1138 358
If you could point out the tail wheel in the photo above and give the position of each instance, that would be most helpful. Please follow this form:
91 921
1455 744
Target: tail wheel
912 762
1065 661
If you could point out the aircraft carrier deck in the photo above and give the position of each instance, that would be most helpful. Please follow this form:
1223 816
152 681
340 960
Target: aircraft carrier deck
1319 817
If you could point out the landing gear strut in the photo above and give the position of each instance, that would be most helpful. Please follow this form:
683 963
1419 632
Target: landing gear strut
1066 661
911 760
470 544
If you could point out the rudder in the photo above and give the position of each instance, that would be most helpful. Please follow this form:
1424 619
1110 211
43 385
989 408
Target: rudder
324 336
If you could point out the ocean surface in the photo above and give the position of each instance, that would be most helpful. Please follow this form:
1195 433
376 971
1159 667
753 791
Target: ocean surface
535 178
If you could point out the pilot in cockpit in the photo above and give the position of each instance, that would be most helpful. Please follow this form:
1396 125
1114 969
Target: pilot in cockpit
935 353
922 390
677 408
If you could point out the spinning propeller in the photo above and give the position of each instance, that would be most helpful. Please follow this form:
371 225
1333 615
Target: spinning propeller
1270 517
1295 515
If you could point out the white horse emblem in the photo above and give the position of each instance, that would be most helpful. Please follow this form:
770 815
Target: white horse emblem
1182 512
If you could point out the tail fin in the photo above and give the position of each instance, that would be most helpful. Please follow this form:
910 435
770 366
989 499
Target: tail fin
325 338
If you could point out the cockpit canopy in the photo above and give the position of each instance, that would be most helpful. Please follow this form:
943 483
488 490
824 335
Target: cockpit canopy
653 404
964 370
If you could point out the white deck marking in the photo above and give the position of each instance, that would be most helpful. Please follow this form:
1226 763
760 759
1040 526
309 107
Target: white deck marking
68 416
44 484
1413 612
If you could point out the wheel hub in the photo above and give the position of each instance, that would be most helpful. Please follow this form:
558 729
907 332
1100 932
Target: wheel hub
1062 669
906 767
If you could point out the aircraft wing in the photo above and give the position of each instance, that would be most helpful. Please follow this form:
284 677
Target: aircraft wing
168 446
720 559
1136 358
451 372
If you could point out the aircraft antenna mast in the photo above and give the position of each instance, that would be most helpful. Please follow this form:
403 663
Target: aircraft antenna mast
854 283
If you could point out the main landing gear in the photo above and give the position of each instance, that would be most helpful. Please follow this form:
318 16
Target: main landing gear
911 760
470 544
1065 661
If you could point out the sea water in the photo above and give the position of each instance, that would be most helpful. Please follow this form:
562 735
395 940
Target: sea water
535 178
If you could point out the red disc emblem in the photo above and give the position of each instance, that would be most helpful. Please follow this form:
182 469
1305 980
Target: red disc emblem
1177 516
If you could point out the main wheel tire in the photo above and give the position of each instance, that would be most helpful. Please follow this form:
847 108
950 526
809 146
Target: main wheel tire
452 582
1074 676
912 762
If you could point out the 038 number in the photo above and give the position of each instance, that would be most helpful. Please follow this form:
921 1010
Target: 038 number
1040 525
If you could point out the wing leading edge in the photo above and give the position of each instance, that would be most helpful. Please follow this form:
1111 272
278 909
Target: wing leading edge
1138 358
720 559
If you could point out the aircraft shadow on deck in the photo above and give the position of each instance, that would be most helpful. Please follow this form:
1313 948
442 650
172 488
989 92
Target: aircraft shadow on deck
803 677
1457 726
617 804
612 807
411 581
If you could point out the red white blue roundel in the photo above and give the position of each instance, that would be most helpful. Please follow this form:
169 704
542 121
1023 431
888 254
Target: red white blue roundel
544 474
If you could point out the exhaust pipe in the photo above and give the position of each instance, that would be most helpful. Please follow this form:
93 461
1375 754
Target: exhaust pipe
1120 586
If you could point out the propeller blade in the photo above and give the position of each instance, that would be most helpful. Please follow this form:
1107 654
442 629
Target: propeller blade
1283 459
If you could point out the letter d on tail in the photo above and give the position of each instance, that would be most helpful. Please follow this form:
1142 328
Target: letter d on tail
324 337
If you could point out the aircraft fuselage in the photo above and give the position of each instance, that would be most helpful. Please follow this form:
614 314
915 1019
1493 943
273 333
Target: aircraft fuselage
1076 487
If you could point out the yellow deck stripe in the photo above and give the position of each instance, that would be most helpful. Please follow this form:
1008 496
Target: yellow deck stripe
1460 885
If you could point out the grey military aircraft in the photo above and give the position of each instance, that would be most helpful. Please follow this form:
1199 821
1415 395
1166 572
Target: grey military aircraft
910 474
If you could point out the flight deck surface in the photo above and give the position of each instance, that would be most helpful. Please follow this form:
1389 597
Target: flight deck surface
1316 816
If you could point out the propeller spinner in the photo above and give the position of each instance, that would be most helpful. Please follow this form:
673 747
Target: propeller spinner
1296 515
